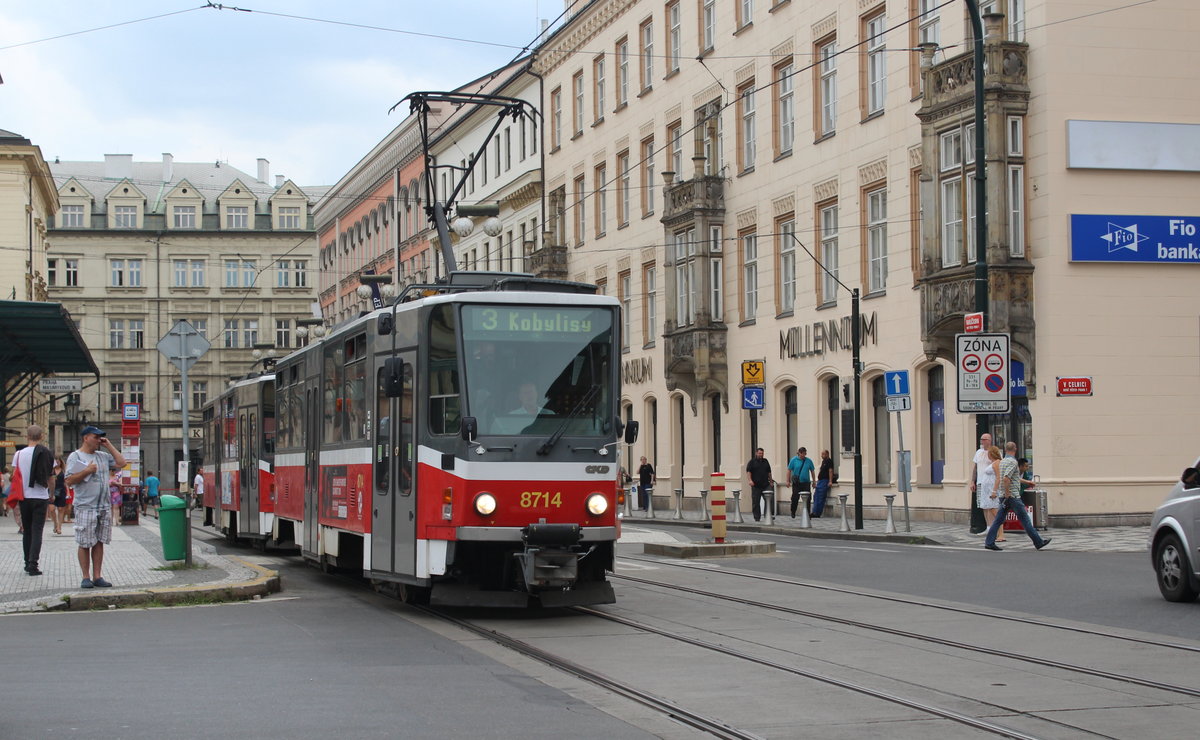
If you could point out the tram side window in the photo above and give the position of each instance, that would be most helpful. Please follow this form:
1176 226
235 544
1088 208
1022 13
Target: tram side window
443 372
296 412
331 400
268 420
354 394
229 422
383 442
406 432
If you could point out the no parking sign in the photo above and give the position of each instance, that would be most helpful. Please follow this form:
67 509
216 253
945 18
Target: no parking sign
982 361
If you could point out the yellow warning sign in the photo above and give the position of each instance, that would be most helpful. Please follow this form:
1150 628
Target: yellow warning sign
752 372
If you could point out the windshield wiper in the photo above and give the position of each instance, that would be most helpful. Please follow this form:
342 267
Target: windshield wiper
558 433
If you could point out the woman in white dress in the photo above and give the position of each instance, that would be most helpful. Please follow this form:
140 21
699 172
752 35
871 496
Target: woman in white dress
989 498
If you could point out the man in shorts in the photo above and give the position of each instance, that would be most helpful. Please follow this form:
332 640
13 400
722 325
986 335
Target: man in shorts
88 471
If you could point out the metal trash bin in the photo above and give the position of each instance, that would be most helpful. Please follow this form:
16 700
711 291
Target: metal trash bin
172 520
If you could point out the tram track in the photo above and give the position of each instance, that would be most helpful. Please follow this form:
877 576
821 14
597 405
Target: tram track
844 590
945 642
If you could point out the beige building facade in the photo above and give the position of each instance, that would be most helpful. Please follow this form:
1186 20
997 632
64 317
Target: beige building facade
705 158
137 246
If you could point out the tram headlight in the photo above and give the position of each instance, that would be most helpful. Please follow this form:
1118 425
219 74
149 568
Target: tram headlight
597 504
485 504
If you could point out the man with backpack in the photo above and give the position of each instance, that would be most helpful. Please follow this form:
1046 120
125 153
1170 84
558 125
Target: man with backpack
34 465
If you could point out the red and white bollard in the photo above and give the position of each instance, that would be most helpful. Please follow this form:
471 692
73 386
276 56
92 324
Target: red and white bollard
717 487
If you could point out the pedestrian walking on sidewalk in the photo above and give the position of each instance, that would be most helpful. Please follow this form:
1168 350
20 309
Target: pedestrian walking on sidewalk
824 483
978 464
198 488
36 464
800 470
758 472
88 471
152 484
647 478
1009 485
988 494
59 508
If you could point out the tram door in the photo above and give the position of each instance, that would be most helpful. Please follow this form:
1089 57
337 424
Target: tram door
393 513
247 517
312 448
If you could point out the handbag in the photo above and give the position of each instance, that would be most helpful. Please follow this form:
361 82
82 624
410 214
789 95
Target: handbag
16 486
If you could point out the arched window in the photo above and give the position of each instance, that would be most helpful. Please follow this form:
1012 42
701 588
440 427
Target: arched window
883 432
937 423
791 421
833 397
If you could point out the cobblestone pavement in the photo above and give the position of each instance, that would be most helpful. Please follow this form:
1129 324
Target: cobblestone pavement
1088 539
131 562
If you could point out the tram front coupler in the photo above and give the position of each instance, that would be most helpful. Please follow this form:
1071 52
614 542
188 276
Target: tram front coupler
550 558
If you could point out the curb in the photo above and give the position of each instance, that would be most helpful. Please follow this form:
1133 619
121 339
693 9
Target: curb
267 582
907 538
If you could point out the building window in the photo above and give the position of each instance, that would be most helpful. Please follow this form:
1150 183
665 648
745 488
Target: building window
201 327
883 432
291 274
625 295
197 273
126 273
507 148
745 13
717 283
746 130
283 333
289 217
647 36
601 196
580 213
826 113
180 274
785 109
71 216
176 395
828 229
247 270
876 219
708 25
555 121
674 37
137 393
185 217
137 334
598 104
675 141
623 184
71 273
577 111
250 332
749 244
622 72
125 217
231 334
876 61
648 177
199 393
686 279
650 301
956 195
237 217
116 396
116 334
1016 210
786 228
952 221
937 423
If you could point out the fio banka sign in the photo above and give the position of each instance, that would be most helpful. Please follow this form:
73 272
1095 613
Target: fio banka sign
1162 239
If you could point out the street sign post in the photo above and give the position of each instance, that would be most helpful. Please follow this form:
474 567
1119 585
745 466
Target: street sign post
183 345
60 385
895 383
899 403
753 399
1074 385
982 361
752 372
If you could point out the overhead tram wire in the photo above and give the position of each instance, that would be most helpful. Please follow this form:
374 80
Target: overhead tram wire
103 28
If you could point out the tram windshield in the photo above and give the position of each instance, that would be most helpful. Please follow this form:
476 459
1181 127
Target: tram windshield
533 369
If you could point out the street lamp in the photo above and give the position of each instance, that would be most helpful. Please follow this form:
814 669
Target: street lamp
71 406
308 325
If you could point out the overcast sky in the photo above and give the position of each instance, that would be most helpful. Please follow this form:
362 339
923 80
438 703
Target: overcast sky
207 84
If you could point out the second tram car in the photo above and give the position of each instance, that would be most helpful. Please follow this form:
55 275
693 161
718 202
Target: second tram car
239 459
460 448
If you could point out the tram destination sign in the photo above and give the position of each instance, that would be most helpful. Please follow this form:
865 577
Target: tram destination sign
982 362
484 321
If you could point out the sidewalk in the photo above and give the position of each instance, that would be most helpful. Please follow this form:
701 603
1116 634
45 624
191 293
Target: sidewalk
1089 539
131 563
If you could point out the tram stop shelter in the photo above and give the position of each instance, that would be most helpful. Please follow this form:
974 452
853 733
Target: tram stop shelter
36 339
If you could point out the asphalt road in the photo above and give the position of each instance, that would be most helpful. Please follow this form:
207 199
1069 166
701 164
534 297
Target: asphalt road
1109 589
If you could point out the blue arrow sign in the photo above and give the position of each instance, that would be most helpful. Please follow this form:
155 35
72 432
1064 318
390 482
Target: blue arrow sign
896 382
752 398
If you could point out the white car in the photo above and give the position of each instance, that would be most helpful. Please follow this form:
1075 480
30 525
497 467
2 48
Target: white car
1175 539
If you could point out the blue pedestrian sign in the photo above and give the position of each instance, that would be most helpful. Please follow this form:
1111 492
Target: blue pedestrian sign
752 398
896 382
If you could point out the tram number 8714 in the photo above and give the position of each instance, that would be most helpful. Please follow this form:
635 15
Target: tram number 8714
536 499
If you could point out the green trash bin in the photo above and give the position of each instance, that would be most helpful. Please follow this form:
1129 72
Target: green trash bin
172 518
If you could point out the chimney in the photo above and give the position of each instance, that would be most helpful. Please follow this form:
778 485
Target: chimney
264 170
278 181
168 166
118 166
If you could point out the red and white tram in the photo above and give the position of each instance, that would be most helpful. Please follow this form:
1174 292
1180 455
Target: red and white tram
460 447
239 455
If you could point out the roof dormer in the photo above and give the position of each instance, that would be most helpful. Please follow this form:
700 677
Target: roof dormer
289 208
75 206
237 206
185 206
126 206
